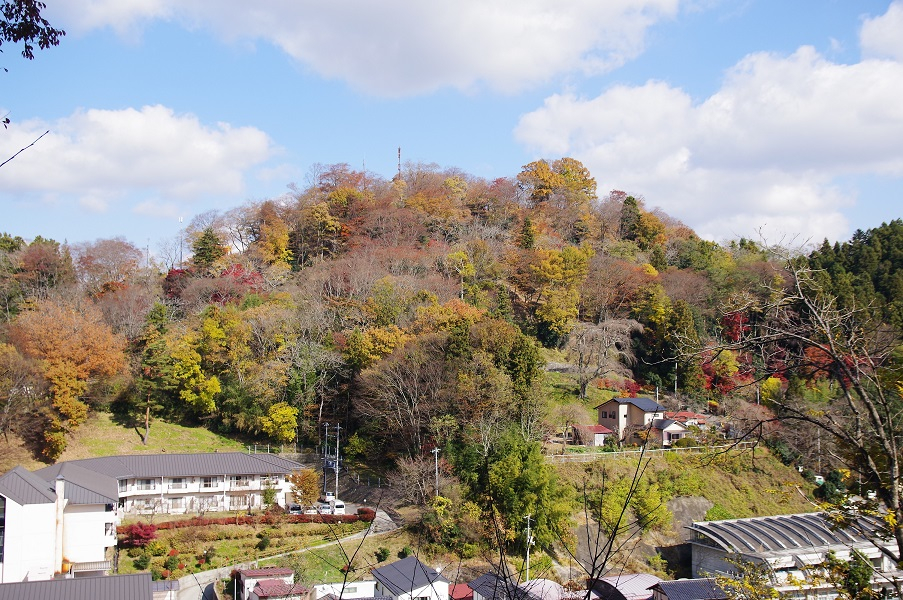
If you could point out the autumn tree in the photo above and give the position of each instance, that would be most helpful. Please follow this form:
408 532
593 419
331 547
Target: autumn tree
305 486
74 348
596 350
106 264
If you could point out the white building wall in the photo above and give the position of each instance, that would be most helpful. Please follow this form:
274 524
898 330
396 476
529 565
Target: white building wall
167 495
88 530
346 591
29 542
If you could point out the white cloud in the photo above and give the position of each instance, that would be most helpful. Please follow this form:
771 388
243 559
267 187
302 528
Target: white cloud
401 47
765 151
881 36
97 156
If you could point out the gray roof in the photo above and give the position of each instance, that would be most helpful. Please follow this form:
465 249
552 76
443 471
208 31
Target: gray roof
691 589
490 585
644 404
24 487
118 587
83 486
406 575
665 423
184 465
784 533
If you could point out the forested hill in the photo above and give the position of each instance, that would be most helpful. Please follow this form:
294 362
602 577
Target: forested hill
412 310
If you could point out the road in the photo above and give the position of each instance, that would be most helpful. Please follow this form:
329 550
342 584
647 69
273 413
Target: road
200 585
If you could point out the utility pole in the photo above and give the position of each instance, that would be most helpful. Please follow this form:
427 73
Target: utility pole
337 428
325 454
529 543
435 452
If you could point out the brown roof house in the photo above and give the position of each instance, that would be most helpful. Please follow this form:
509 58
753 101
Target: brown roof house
628 416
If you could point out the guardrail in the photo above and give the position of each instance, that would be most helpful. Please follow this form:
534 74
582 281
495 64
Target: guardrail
600 455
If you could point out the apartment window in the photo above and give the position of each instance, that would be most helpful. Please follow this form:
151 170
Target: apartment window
611 415
123 485
270 480
177 483
109 529
145 485
145 503
239 502
177 504
209 482
239 480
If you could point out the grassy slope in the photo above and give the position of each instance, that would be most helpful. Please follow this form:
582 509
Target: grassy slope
100 436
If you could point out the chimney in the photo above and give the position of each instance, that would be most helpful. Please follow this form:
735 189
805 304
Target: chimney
60 488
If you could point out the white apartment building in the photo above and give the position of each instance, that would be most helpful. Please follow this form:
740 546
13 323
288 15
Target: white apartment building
190 483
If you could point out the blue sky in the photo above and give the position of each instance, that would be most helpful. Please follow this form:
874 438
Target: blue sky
735 116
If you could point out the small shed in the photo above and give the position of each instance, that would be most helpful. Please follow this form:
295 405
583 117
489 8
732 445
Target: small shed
591 435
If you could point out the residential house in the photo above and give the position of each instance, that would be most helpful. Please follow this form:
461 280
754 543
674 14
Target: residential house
688 589
592 435
60 525
628 416
667 431
410 579
626 586
119 587
490 586
688 417
786 546
349 590
186 483
249 581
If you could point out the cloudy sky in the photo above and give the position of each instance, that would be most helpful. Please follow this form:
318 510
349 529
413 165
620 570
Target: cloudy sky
736 116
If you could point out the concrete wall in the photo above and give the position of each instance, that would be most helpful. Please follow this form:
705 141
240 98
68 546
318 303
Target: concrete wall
88 530
28 553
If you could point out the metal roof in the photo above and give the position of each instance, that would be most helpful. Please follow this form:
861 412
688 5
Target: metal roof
783 534
24 487
626 586
134 466
691 589
83 486
117 587
406 575
644 404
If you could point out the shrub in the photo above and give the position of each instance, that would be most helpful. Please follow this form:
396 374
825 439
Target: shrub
171 563
155 548
718 513
382 553
141 562
138 534
263 544
405 552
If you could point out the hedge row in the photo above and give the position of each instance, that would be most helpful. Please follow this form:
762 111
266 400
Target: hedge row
363 514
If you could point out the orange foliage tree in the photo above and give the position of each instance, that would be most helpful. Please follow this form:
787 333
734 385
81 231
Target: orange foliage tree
73 347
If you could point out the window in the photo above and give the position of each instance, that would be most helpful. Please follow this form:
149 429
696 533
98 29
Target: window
239 481
109 529
123 485
209 482
177 504
145 485
269 480
239 502
177 483
611 415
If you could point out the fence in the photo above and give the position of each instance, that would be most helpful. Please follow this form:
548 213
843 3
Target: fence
597 455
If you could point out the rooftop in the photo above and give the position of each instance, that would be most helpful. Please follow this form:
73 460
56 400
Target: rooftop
407 575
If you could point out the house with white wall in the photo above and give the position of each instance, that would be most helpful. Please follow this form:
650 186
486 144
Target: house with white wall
60 526
627 416
410 579
189 483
